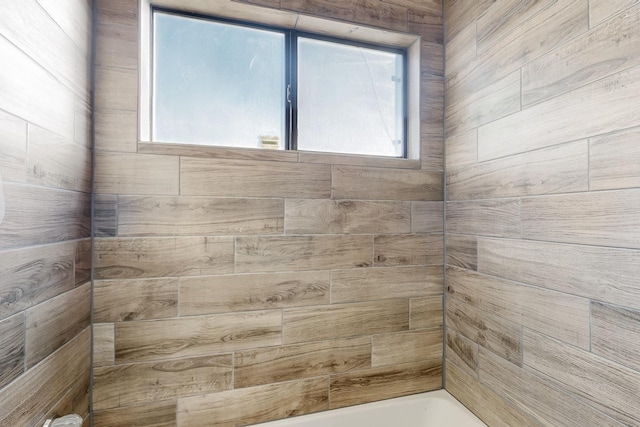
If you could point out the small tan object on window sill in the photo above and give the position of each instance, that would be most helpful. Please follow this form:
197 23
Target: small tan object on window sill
270 142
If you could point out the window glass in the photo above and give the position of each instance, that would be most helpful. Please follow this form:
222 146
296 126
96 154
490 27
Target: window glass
217 84
350 99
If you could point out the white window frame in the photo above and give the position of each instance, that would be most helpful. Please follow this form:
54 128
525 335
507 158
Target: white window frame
289 20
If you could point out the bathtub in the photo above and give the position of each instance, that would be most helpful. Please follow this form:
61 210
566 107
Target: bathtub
433 409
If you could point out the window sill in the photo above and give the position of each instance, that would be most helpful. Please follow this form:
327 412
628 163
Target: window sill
231 153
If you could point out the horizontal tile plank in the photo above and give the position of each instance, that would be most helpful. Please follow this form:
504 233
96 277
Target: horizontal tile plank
239 178
160 414
127 385
216 294
590 272
595 55
615 334
505 17
24 401
286 363
462 251
38 215
140 341
559 169
498 335
13 148
33 275
563 316
105 215
189 216
160 257
124 300
567 117
385 382
536 397
344 320
12 348
103 344
605 218
614 160
130 173
379 14
273 253
406 347
53 161
369 284
115 130
116 88
53 323
28 91
600 10
500 218
311 216
426 312
462 149
462 352
427 217
268 402
407 249
605 385
492 102
550 28
385 184
487 405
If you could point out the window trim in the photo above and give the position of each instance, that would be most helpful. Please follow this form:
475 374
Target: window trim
253 16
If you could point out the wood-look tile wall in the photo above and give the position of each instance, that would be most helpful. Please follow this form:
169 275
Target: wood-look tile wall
45 178
542 253
237 286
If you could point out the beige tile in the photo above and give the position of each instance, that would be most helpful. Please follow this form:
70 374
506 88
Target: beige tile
408 249
310 216
603 384
104 337
127 385
500 336
243 178
161 414
344 320
130 258
406 347
426 312
562 316
286 363
140 341
55 322
614 160
34 275
369 284
124 300
12 351
535 397
385 382
217 294
196 216
274 253
37 215
23 401
615 334
590 272
500 218
268 402
385 184
129 173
